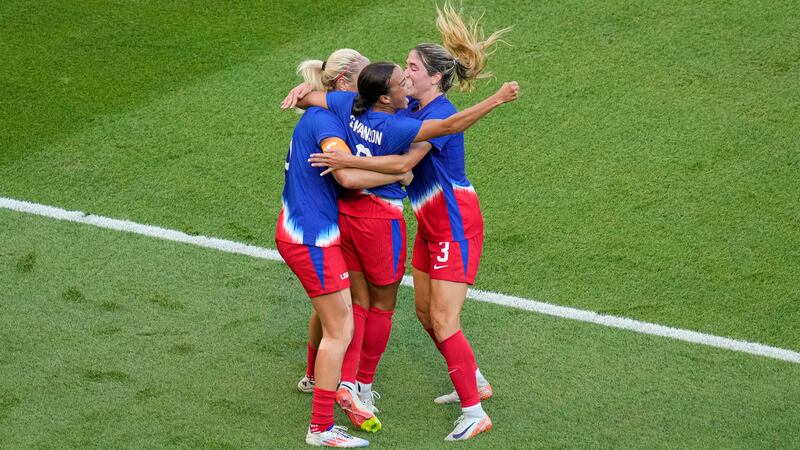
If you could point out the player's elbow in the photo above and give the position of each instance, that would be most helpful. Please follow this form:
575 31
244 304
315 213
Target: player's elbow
449 127
344 179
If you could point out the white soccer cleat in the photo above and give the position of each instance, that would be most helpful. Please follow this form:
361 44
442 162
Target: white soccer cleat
334 437
468 428
485 391
306 384
369 401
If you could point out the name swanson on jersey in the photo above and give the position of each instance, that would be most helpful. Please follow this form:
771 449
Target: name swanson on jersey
366 133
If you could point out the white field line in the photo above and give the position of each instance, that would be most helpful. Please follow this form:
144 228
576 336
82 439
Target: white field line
482 296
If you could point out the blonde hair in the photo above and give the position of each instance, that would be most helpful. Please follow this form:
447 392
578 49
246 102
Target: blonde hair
465 52
323 75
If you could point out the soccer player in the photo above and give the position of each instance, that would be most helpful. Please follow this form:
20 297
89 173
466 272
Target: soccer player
382 92
450 233
308 239
374 271
338 72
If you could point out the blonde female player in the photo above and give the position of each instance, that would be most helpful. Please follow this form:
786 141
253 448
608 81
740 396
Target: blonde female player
382 88
308 238
450 232
375 271
338 72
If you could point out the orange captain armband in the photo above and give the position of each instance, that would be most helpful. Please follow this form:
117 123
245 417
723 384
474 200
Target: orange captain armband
336 144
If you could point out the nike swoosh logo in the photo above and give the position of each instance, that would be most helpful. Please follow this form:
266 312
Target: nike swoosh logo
435 267
460 435
451 371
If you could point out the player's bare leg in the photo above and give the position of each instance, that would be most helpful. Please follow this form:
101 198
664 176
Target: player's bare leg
306 384
336 320
446 301
422 303
346 396
422 299
336 317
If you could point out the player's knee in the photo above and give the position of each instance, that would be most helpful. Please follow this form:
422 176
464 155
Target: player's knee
339 340
341 332
443 324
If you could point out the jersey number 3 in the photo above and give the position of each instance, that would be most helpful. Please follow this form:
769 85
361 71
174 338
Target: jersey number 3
445 252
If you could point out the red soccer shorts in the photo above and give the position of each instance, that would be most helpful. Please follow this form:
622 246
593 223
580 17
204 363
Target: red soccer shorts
376 247
321 270
455 261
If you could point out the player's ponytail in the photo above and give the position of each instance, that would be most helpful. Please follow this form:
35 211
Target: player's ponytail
323 75
360 106
311 70
465 53
372 83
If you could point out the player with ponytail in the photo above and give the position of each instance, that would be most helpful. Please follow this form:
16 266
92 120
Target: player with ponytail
449 239
308 238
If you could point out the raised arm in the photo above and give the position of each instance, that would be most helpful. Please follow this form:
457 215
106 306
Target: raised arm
315 98
298 92
391 164
464 119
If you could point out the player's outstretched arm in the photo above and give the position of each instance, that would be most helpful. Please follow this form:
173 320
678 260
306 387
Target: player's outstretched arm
391 164
464 119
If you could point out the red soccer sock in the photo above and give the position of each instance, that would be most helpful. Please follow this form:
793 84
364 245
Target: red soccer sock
461 367
350 363
322 409
376 336
312 359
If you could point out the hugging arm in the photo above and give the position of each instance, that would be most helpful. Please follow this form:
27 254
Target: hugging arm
389 164
356 178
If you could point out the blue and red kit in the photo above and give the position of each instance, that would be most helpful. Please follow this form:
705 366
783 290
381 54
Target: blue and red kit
376 249
450 224
307 233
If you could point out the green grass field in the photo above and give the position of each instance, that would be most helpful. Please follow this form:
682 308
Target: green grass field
648 171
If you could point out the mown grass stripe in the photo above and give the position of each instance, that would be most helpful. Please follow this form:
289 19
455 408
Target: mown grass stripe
483 296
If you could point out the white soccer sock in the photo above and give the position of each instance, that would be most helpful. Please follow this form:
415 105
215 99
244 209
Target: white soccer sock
475 411
479 378
364 390
348 385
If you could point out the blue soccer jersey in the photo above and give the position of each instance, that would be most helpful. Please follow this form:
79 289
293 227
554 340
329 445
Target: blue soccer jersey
443 199
373 134
309 214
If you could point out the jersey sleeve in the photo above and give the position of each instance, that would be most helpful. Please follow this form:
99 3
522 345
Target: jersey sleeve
440 109
439 143
327 125
404 131
340 103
